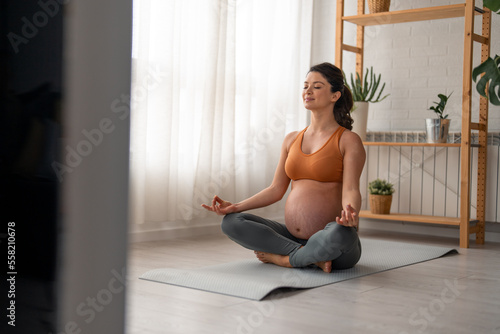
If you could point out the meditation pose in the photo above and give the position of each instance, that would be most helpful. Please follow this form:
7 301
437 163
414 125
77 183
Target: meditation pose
324 163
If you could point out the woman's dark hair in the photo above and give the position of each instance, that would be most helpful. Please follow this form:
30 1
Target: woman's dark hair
335 78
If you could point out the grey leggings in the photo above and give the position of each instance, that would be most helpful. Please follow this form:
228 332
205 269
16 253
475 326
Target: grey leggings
336 243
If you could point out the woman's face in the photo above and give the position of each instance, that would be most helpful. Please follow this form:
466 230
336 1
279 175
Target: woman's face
317 93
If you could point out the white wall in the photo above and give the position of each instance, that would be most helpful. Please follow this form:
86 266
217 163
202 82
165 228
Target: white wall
417 60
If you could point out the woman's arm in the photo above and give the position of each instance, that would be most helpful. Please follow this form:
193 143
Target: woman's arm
354 161
267 196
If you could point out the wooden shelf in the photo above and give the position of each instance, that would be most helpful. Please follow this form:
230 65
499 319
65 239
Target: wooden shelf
412 218
373 143
467 11
409 15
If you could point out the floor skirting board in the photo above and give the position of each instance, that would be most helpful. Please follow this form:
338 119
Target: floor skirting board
174 233
492 230
141 233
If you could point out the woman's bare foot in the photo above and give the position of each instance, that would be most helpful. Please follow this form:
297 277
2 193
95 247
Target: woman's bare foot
284 261
280 260
325 265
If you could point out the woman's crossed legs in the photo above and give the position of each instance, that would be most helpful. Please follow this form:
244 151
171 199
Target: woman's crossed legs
334 247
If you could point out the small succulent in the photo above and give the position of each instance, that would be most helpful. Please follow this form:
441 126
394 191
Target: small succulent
439 107
380 187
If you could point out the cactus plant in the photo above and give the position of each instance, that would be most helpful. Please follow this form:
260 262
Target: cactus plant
365 91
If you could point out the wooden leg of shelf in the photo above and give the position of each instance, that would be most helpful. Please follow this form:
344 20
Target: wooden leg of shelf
480 233
464 234
481 174
465 167
483 140
360 40
339 34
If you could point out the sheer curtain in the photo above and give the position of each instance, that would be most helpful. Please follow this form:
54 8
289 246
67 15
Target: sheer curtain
216 87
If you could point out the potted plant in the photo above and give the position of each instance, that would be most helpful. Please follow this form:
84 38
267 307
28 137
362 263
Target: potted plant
364 92
380 196
437 128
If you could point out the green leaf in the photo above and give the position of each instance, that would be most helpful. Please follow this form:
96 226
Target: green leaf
376 82
491 70
493 5
365 86
378 99
441 105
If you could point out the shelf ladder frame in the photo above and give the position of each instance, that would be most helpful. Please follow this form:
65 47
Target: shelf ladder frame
468 12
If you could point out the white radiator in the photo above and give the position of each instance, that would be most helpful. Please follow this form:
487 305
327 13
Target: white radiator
427 179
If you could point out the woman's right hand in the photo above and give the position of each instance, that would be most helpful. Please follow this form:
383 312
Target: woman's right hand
220 207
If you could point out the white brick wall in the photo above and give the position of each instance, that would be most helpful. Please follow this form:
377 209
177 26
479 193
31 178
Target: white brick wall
417 61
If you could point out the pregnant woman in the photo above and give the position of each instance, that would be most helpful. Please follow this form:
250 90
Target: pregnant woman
324 163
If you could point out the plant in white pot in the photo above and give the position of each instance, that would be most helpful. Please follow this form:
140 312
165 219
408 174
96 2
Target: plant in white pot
364 92
437 128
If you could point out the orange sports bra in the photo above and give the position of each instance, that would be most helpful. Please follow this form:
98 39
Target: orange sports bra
324 165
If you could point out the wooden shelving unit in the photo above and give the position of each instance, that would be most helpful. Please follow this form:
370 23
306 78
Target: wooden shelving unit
410 15
468 11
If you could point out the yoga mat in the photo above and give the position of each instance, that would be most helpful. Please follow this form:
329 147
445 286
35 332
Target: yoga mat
252 279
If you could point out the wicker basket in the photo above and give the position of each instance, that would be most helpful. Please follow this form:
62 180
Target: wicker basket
380 204
378 6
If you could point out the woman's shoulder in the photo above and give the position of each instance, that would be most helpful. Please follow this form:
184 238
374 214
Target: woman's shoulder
292 135
350 136
350 140
290 138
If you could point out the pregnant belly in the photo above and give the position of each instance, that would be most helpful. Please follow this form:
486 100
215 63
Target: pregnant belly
311 205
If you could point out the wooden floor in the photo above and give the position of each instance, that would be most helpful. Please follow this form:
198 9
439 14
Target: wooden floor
454 294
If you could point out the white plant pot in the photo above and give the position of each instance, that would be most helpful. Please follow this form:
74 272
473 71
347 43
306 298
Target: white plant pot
360 117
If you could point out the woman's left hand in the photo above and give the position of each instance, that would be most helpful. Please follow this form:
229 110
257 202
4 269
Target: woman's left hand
349 217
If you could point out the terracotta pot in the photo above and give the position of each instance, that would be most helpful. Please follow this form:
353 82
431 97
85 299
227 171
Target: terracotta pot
380 204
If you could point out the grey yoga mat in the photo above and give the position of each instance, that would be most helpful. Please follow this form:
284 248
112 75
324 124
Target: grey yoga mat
252 279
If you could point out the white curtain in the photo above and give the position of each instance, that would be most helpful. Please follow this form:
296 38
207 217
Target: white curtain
216 87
